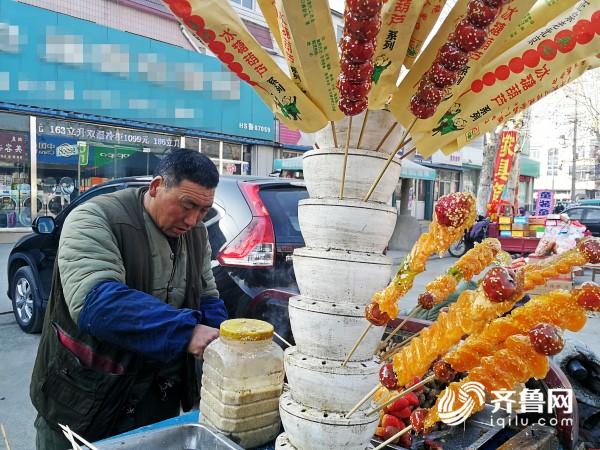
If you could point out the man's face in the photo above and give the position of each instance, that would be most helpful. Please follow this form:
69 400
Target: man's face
178 209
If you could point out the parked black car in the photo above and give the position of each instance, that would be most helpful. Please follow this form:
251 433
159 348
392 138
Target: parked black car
588 215
253 230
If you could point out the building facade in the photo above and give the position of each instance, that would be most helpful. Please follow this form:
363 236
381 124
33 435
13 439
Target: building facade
90 91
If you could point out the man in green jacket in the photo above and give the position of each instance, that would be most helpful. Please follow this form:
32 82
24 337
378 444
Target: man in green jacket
133 304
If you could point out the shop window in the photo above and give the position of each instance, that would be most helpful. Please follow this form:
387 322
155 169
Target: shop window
15 182
192 143
232 151
210 148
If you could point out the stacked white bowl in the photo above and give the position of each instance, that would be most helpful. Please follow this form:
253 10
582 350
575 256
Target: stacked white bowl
337 272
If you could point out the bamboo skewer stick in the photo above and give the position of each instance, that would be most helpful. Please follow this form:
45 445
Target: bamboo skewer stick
393 438
397 329
335 142
282 339
343 181
390 158
362 401
423 382
74 435
356 344
362 128
4 437
387 135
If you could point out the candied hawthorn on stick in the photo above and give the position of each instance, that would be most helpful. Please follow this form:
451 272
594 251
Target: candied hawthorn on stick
470 264
468 315
559 308
454 214
515 363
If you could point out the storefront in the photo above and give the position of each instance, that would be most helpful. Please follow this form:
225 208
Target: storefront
69 119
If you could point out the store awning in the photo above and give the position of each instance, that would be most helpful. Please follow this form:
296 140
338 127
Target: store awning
411 169
529 167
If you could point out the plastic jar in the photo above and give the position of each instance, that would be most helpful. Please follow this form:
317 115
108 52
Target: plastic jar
241 382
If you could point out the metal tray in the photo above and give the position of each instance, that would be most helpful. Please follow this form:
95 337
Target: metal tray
179 437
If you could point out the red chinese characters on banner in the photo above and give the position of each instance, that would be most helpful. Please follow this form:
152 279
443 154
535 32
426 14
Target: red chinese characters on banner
502 167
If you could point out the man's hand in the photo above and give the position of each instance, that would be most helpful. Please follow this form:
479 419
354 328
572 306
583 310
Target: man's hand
201 337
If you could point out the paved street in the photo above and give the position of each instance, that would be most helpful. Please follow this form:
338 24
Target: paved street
18 349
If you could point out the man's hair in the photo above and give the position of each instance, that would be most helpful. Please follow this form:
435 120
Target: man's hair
181 164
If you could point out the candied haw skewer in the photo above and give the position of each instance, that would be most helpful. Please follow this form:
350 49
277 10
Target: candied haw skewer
547 339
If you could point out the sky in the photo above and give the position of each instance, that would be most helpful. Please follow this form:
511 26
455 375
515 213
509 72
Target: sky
338 5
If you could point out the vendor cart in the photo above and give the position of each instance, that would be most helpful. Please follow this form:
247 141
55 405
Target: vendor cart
185 432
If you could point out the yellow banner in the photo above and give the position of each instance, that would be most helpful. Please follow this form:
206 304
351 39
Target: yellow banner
569 74
398 20
430 12
510 13
310 49
540 15
269 12
525 73
216 23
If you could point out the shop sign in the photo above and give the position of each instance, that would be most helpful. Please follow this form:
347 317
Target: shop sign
56 150
545 203
90 132
502 167
14 146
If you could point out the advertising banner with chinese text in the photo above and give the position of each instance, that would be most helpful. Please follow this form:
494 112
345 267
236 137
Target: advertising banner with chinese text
217 24
430 12
545 203
521 76
398 19
310 49
502 167
509 16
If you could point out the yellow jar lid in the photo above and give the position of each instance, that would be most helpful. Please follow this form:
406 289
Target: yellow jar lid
246 330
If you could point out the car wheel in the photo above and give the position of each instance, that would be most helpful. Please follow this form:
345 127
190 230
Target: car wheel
458 249
26 301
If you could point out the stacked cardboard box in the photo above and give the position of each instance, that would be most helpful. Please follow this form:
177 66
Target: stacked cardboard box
537 226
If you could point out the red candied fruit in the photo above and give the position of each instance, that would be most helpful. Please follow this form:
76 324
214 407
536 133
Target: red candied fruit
469 37
387 377
351 90
356 52
443 371
590 247
480 14
494 3
374 315
417 420
362 28
452 57
452 210
441 76
421 109
499 284
364 8
357 72
430 93
426 300
352 107
588 296
547 339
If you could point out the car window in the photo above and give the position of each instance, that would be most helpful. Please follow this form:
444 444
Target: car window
592 214
575 213
282 204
